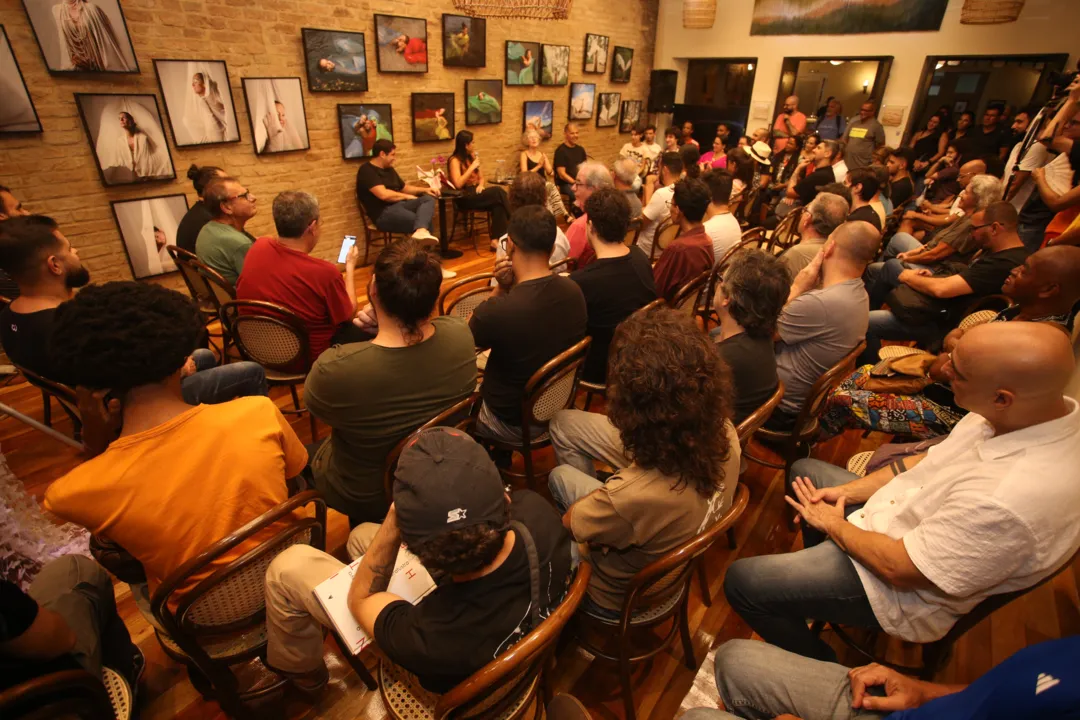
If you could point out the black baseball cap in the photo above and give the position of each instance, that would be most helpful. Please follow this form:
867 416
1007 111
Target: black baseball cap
445 481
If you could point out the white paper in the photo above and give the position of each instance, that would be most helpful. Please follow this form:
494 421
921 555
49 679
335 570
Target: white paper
410 582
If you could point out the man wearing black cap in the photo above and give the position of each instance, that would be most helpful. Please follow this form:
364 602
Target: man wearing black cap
451 511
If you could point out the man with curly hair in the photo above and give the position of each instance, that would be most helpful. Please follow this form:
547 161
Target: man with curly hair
451 510
669 433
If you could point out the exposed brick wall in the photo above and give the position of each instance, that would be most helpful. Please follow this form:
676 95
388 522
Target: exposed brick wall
54 172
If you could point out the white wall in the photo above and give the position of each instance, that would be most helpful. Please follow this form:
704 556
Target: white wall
1044 26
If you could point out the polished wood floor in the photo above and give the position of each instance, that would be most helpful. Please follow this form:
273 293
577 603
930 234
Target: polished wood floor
1050 612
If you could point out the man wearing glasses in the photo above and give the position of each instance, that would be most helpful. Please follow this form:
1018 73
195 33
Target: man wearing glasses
223 244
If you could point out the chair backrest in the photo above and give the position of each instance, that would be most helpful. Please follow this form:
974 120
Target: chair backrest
753 422
552 387
269 334
64 394
786 233
461 415
465 295
687 299
68 693
221 290
233 597
657 303
807 422
517 669
634 231
188 265
567 264
749 199
665 233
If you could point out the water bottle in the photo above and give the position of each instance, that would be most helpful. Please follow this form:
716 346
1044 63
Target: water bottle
499 176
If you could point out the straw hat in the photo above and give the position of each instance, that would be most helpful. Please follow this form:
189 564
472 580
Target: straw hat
759 151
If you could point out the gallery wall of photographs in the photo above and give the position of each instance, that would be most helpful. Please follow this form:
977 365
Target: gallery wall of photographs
210 109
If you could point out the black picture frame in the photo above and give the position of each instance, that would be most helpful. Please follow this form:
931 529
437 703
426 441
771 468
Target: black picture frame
545 70
56 68
396 67
159 63
616 103
345 111
617 73
5 46
80 98
493 88
599 68
124 240
624 126
542 109
592 99
325 81
444 100
476 56
251 115
512 76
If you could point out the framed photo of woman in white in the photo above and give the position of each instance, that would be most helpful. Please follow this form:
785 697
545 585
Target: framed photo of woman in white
148 227
126 136
17 111
82 36
276 111
198 101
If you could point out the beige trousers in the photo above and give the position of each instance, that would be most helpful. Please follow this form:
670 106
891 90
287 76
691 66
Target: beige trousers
580 437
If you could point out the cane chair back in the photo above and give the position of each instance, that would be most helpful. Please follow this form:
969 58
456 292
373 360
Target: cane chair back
221 290
68 693
65 395
665 235
551 388
786 233
688 298
269 334
751 238
980 317
857 463
633 232
753 422
464 295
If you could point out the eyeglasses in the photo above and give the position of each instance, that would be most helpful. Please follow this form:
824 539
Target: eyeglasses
949 368
502 244
980 227
245 195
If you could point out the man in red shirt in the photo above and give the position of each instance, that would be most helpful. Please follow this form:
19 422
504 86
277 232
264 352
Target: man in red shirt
691 253
281 270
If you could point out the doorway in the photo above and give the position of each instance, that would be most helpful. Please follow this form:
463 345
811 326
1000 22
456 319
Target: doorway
718 91
850 80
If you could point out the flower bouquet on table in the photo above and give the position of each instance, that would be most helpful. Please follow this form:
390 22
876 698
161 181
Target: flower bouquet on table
435 178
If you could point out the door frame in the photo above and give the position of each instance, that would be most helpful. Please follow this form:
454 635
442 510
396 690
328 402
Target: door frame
789 70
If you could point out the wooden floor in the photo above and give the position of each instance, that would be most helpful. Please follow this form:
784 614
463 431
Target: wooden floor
1050 612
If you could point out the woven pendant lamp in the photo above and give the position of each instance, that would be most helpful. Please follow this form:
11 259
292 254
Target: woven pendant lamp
990 12
698 14
516 9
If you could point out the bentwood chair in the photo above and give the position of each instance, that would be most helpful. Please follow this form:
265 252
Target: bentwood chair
69 693
754 237
566 265
507 688
372 234
63 394
192 271
786 234
276 338
633 232
465 294
666 233
600 389
744 211
688 299
656 594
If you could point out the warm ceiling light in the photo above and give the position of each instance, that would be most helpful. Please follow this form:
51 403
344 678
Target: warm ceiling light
836 62
749 66
940 64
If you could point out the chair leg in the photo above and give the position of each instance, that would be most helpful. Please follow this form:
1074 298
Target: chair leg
703 579
624 676
684 630
46 409
530 481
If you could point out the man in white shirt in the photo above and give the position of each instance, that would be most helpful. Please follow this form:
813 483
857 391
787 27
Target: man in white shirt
721 226
651 146
994 508
659 190
840 168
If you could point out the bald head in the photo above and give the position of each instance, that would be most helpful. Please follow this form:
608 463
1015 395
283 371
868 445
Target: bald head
791 103
969 170
1059 264
856 243
1047 282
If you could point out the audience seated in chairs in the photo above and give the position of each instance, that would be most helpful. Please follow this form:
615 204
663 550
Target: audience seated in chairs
198 215
721 225
177 478
929 216
67 621
616 283
223 243
528 188
282 270
450 509
749 297
826 212
901 185
668 433
48 270
1045 288
628 182
914 546
825 317
372 394
657 195
864 186
532 316
803 189
591 176
691 253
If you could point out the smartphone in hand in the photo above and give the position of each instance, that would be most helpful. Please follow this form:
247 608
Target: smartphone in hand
346 246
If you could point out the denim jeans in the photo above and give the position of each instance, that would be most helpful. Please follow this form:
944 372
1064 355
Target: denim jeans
775 594
882 277
211 385
407 216
1031 235
886 326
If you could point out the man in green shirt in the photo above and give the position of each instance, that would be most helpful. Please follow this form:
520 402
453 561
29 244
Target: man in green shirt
223 244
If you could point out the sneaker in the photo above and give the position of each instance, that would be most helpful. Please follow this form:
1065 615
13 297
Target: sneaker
447 274
424 236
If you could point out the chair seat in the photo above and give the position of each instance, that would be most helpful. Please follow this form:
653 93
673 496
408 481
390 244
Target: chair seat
119 693
647 615
405 699
279 377
592 387
895 351
228 646
858 462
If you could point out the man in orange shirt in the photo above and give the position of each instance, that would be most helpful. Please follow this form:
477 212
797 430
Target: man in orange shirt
178 478
789 123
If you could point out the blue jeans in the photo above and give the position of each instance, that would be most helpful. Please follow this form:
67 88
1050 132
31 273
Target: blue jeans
775 594
1031 235
886 326
407 216
882 277
211 385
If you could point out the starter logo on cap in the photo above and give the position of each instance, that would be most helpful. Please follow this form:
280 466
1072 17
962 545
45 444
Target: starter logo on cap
455 515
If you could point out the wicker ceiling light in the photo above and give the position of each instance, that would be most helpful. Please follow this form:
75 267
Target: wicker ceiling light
990 12
698 14
516 9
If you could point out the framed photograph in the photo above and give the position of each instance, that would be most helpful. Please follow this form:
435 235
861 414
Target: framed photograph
596 49
607 110
582 98
83 36
433 117
631 115
464 41
539 115
335 61
622 60
522 62
147 226
483 102
402 44
555 65
127 137
198 101
359 126
17 113
276 112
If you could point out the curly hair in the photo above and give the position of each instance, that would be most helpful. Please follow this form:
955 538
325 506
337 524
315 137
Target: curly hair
756 285
669 396
122 335
461 551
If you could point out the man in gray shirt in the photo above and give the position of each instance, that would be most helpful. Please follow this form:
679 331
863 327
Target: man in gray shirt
823 215
825 317
864 134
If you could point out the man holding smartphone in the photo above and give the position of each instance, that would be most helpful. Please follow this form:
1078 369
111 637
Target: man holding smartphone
789 123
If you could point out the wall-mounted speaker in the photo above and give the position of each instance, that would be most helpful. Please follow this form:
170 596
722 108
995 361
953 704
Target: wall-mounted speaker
662 85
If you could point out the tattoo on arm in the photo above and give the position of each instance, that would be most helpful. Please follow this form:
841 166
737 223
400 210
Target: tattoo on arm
380 576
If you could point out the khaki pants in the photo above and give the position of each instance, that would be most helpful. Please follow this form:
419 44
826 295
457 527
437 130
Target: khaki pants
580 437
294 617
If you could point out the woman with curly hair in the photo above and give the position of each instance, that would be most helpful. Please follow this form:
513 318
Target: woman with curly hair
669 433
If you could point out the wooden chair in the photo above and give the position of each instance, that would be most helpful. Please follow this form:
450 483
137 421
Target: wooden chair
633 232
550 389
470 220
657 593
666 232
857 463
506 688
372 234
600 389
745 206
786 233
688 299
191 270
464 295
69 693
64 395
754 237
567 265
276 338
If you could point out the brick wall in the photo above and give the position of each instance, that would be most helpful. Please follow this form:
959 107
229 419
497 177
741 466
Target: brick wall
54 172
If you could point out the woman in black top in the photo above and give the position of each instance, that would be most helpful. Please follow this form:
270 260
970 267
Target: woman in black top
929 144
466 176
